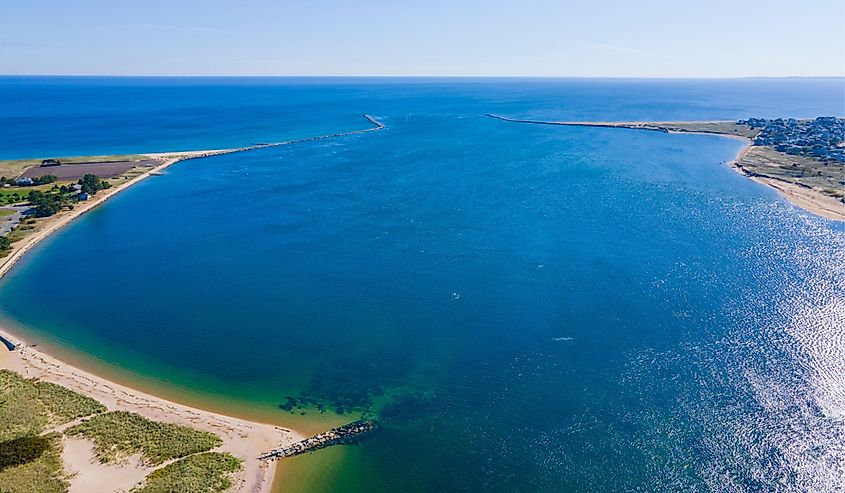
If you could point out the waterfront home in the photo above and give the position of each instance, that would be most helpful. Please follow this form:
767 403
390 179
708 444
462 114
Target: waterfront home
83 196
50 162
23 181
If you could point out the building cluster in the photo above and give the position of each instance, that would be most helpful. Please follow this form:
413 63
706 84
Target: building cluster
822 138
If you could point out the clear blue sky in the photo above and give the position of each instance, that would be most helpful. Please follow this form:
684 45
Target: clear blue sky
637 38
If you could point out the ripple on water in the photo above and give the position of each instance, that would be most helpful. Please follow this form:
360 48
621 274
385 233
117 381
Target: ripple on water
783 426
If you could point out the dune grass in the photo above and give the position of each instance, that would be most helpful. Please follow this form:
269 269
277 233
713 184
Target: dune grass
32 464
21 412
119 434
65 405
207 472
29 406
30 461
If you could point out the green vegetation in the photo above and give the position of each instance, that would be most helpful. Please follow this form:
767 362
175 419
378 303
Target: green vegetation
29 461
15 195
5 245
28 406
41 180
47 204
202 473
92 184
50 202
65 405
21 412
32 464
23 229
120 433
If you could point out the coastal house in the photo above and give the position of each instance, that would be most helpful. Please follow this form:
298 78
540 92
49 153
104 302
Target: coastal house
23 181
76 187
83 196
50 162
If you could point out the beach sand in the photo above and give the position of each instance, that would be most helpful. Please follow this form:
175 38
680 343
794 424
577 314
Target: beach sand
241 438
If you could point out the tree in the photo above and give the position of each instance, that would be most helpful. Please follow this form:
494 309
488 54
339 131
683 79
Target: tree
5 243
44 180
91 184
46 204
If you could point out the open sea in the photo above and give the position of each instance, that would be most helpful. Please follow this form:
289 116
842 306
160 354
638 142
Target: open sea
523 308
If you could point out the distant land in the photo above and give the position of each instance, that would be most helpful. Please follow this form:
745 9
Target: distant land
804 160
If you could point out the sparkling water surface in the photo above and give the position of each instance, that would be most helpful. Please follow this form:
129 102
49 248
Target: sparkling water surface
522 307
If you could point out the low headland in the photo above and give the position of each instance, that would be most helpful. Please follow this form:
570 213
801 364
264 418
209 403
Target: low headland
804 160
69 430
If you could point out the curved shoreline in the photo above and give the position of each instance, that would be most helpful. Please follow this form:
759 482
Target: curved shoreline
243 438
798 194
169 158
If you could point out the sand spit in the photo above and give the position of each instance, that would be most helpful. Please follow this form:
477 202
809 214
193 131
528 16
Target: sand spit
807 197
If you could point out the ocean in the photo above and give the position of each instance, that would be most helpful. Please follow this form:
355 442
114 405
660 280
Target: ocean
521 307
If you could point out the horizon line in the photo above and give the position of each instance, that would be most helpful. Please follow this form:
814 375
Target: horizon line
406 76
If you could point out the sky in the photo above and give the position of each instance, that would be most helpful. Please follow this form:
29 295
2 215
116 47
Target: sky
558 38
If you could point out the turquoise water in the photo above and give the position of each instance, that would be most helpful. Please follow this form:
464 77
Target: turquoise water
523 308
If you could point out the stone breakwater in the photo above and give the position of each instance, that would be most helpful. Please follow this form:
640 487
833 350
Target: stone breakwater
197 155
632 125
345 434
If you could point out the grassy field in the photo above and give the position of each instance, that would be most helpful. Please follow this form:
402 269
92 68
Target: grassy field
119 434
207 472
21 192
825 176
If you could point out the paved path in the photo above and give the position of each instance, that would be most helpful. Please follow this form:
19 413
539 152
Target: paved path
9 222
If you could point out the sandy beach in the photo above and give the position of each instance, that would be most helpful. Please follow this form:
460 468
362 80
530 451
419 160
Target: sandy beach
241 438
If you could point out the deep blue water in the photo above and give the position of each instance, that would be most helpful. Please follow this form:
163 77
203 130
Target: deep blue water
524 308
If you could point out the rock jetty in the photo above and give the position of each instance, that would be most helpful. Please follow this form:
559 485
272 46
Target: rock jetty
341 435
